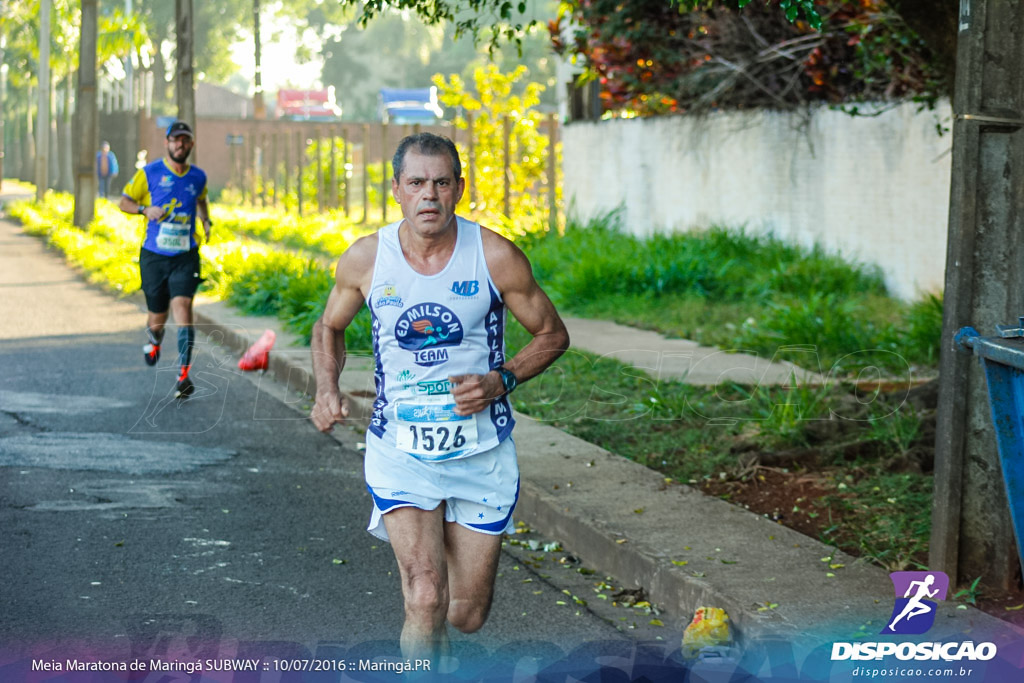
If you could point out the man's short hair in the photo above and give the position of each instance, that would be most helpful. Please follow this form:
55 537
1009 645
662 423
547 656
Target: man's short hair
430 145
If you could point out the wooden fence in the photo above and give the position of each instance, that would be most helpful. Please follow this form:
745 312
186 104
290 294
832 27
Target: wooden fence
339 166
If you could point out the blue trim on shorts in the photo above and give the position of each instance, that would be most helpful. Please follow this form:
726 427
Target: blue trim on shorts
385 504
501 524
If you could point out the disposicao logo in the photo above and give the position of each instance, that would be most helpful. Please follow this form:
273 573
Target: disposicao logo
916 593
913 613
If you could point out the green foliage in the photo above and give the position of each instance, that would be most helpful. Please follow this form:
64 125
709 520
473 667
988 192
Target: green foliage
698 56
970 594
494 106
327 234
738 291
255 277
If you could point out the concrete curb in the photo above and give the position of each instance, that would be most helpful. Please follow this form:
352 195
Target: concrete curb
684 548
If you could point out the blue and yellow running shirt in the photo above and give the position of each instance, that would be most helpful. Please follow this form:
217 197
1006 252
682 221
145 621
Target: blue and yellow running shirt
156 184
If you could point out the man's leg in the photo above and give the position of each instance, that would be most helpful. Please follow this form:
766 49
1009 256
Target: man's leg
417 538
182 308
472 565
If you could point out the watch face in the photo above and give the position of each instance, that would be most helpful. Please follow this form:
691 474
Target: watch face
508 379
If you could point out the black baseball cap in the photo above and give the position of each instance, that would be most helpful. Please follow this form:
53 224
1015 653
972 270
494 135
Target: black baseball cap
179 128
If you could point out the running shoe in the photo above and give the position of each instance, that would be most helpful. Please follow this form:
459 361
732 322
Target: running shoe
151 353
185 386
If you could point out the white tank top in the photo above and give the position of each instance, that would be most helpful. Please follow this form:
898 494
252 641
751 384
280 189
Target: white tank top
427 328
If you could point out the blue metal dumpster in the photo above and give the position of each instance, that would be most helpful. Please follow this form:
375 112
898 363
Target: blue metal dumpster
1003 360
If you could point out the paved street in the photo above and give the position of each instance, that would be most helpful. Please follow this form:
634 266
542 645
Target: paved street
136 525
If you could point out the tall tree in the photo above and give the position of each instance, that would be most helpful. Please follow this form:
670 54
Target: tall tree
185 81
87 118
43 111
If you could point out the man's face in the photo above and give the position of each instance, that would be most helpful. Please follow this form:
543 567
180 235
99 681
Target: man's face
427 191
179 147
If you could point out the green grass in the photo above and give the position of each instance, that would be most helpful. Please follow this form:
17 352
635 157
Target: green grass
737 291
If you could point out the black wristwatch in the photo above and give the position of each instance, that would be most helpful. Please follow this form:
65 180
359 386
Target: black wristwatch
142 209
508 379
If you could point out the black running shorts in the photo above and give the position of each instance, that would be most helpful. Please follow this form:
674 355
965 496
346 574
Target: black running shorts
165 277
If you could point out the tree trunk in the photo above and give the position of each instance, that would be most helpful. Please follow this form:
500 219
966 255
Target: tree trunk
65 175
3 92
185 88
28 147
43 111
87 130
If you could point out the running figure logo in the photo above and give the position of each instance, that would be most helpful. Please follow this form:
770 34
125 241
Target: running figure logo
914 612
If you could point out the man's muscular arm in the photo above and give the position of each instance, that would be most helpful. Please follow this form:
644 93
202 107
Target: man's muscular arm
352 278
513 276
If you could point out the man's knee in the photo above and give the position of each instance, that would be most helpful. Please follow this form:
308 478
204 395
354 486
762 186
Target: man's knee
469 616
426 592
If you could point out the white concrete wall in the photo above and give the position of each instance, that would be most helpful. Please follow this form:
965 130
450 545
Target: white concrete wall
875 189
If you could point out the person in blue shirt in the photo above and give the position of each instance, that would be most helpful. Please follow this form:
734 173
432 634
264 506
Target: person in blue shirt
106 168
171 195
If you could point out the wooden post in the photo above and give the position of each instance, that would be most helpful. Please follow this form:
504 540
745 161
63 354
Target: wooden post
553 172
507 174
344 169
971 532
287 168
383 172
300 157
472 162
262 161
333 197
274 168
319 170
366 171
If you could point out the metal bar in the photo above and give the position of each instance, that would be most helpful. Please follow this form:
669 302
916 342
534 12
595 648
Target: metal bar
1006 395
1009 352
999 121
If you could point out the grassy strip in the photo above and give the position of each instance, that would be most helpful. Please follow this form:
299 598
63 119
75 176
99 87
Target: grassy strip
250 274
327 234
737 291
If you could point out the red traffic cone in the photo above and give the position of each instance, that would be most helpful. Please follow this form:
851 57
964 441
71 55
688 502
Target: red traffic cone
258 355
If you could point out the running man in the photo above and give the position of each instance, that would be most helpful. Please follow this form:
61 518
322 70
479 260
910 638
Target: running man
170 194
440 461
914 606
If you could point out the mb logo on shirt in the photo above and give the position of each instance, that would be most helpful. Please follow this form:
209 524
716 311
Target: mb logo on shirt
466 287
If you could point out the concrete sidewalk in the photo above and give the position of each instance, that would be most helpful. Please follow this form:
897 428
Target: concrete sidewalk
686 549
680 359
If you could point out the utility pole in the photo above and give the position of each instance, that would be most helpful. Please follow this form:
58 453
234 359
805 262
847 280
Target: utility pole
972 534
185 88
43 114
86 119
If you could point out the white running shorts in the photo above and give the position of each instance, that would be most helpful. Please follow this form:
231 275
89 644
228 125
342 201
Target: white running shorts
479 491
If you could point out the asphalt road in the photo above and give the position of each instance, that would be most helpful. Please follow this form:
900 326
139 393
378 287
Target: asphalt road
138 526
